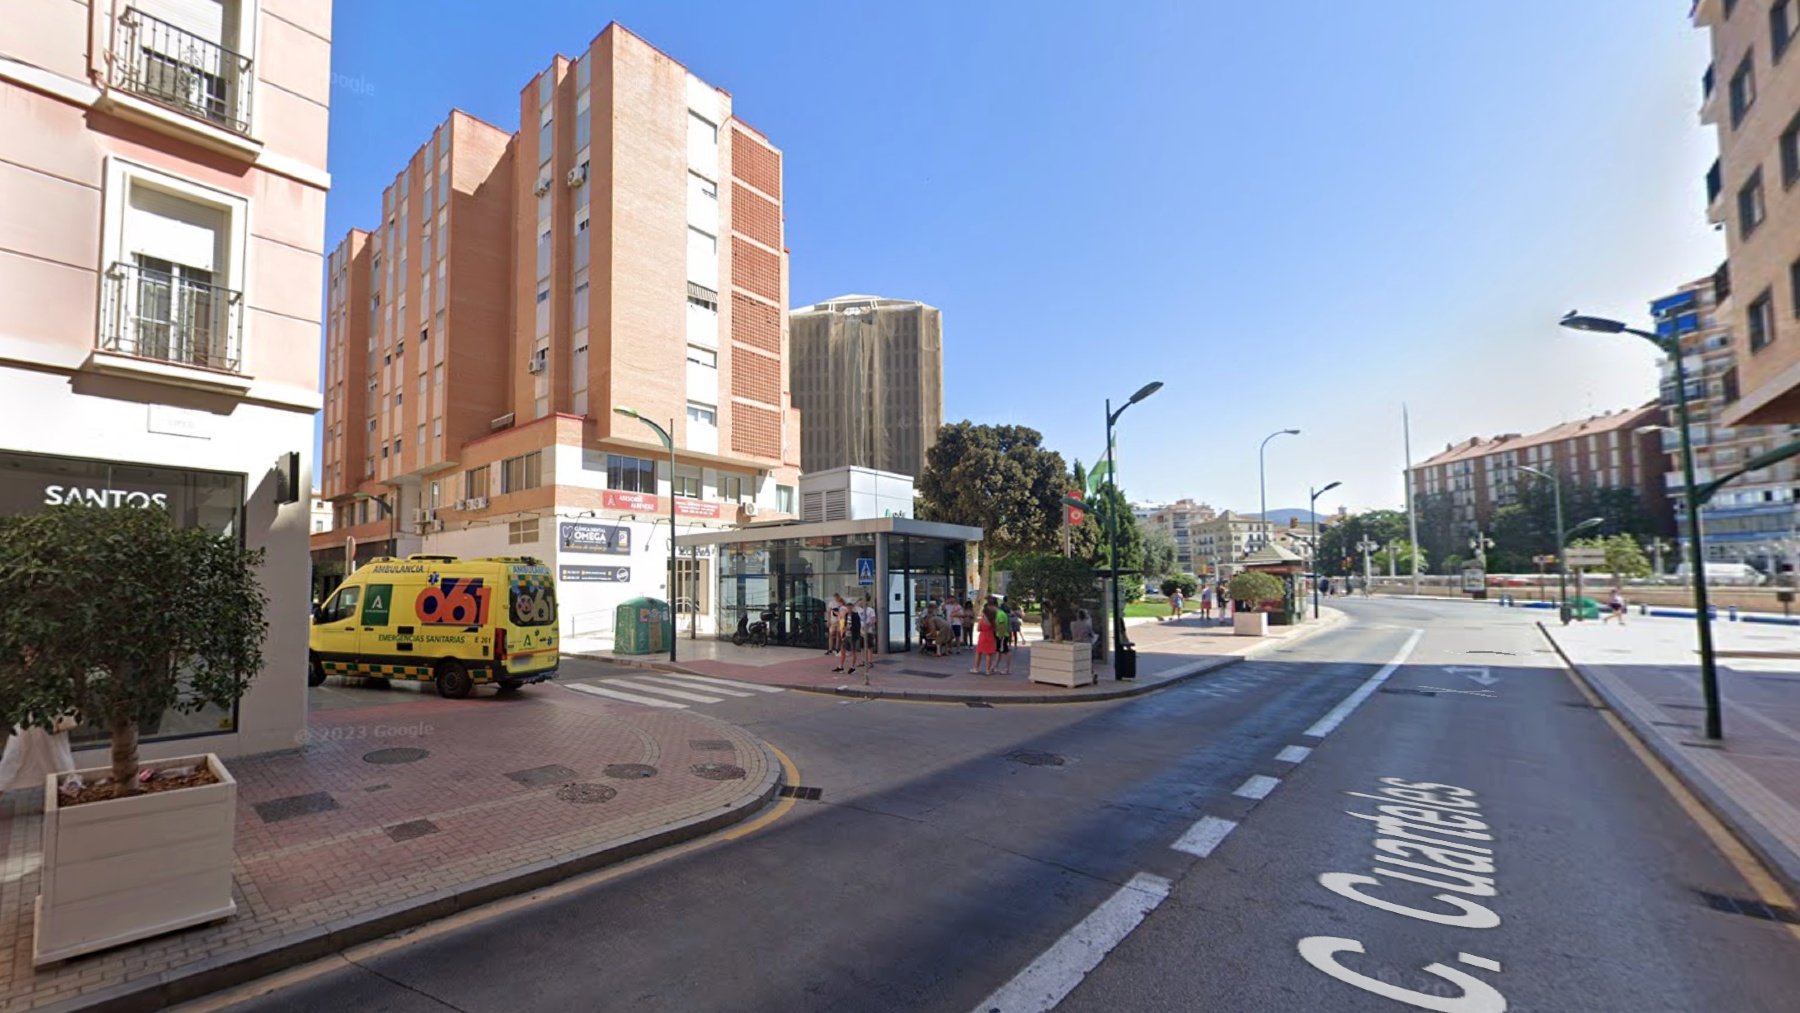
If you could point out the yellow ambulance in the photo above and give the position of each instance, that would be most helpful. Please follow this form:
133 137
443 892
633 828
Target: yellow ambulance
460 623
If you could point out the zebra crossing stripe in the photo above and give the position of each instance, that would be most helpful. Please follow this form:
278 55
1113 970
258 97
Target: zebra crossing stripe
718 684
664 691
613 694
682 684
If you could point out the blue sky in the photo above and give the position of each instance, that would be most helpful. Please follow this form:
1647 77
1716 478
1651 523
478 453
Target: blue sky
1294 215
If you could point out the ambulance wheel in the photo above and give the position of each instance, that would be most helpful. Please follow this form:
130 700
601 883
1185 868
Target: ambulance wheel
315 672
510 685
453 682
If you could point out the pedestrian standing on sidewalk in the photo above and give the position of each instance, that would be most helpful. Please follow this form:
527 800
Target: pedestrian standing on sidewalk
1176 601
1002 634
953 613
1206 596
968 623
985 645
850 642
834 625
867 610
1224 604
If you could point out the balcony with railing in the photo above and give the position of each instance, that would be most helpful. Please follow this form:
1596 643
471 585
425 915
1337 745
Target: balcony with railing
1715 182
1721 281
165 316
181 70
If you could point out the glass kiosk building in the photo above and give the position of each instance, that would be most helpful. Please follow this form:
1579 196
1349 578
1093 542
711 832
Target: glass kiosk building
785 573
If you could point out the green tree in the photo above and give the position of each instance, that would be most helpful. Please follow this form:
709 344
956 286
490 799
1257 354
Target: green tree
1624 556
1088 539
1185 583
997 478
1338 542
1255 589
1159 551
1058 584
119 615
1439 534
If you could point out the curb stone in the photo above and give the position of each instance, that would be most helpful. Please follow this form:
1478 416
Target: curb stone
228 970
1772 853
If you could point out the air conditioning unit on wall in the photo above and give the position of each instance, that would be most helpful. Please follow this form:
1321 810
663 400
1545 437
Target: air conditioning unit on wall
542 188
749 507
478 503
577 176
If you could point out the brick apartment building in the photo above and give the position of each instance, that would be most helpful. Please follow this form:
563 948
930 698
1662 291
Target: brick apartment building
623 248
1615 450
162 230
1751 92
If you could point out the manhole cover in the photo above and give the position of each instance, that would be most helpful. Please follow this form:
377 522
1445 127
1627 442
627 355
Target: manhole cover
711 746
399 754
628 771
533 777
717 771
402 832
276 810
1036 759
585 792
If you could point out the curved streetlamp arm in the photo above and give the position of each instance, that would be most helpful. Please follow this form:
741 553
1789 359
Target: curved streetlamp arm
1757 463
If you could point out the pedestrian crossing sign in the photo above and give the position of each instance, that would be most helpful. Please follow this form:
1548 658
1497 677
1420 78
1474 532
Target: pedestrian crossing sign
865 571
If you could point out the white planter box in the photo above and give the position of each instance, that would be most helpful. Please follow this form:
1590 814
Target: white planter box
1250 624
129 868
1062 664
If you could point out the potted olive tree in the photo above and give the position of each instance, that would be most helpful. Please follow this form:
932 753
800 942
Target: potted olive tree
1253 592
116 616
1059 585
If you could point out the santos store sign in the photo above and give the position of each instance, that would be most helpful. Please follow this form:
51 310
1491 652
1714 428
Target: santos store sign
199 499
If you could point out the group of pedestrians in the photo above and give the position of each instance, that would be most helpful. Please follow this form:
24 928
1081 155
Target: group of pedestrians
850 632
999 627
1209 597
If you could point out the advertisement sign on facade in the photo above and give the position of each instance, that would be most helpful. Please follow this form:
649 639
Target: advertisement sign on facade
695 508
610 539
613 499
594 574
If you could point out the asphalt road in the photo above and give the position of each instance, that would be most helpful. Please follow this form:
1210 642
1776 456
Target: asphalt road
1010 857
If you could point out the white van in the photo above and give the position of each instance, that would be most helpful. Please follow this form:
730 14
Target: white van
1733 574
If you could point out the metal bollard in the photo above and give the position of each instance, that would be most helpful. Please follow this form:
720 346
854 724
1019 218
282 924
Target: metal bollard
1733 610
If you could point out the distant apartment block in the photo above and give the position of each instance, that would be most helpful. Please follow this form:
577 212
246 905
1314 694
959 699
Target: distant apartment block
1751 93
1620 449
623 248
868 379
1222 541
162 227
1755 519
1178 521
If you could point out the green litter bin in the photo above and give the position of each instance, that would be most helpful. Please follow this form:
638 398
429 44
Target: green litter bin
1585 608
642 626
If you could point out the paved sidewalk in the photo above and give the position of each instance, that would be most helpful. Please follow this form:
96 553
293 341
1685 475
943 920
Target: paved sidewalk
1168 652
1648 672
397 814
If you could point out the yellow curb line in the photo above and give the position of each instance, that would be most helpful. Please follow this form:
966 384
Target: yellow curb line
1768 890
355 955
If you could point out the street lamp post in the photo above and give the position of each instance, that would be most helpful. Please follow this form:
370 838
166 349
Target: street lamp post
1368 547
1562 538
1312 511
668 441
1124 654
1670 344
1262 483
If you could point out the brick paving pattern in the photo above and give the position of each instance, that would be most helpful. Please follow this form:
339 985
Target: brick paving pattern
398 831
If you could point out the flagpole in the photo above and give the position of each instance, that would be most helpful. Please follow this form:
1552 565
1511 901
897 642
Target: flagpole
1412 506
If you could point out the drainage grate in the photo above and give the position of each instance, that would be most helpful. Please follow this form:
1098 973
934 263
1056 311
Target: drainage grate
1406 691
629 771
806 794
711 746
717 771
276 810
1683 706
925 673
399 754
977 703
1748 907
1035 759
533 777
585 793
372 788
411 830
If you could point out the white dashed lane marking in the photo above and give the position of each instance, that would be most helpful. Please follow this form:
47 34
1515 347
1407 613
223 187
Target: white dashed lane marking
1294 754
1204 836
1257 787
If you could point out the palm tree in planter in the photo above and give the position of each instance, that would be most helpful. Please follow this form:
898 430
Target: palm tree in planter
1059 585
1253 592
116 616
